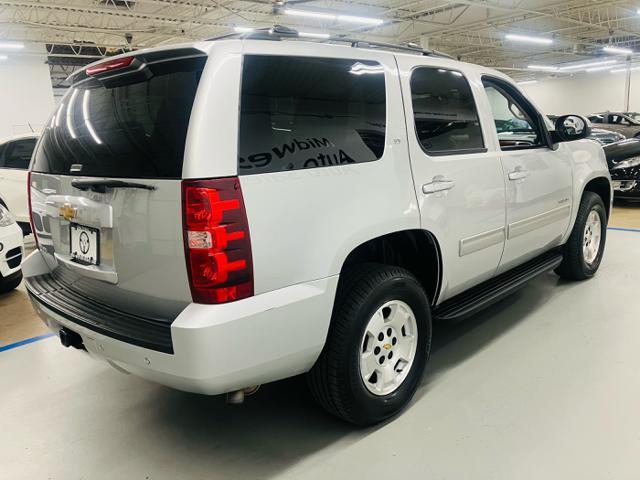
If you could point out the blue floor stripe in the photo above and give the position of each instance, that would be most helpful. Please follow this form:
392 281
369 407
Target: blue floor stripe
624 229
25 342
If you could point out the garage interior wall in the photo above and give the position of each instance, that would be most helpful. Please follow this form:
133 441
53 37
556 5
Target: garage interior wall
584 93
26 94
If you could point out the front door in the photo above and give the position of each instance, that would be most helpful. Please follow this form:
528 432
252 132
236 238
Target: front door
538 178
457 174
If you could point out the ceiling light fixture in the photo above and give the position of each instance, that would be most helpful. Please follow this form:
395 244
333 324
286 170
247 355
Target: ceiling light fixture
12 46
618 50
529 39
582 66
545 68
333 16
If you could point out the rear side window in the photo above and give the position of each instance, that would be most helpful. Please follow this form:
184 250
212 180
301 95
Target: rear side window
444 112
305 112
131 128
17 154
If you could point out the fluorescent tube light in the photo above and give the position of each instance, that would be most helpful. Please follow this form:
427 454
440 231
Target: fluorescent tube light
527 82
355 19
618 50
3 57
599 69
333 16
313 35
546 68
12 46
306 13
530 39
581 66
622 70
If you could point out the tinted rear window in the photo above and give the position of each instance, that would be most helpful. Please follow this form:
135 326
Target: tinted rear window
135 129
306 112
444 112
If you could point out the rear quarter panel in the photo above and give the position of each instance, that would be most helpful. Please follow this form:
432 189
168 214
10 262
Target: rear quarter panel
303 223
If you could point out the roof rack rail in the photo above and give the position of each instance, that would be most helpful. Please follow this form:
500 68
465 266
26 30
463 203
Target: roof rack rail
280 32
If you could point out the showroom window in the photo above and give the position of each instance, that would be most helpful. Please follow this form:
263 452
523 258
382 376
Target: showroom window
444 112
515 119
17 154
307 112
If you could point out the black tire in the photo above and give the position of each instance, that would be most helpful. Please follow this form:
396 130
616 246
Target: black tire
10 283
574 266
335 379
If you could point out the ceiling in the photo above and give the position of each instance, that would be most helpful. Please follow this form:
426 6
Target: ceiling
79 31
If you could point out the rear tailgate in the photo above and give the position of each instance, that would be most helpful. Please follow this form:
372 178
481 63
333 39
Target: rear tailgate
106 185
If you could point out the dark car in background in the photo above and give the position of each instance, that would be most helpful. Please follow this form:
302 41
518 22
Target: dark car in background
626 123
624 165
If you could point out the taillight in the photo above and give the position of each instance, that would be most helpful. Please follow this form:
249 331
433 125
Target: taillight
216 240
109 65
33 229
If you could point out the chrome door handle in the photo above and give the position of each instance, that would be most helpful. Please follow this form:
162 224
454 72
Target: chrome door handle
518 174
437 184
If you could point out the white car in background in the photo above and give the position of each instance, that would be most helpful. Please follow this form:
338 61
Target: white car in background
15 155
11 251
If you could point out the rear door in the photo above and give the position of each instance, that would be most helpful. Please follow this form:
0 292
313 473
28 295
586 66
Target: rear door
106 184
457 173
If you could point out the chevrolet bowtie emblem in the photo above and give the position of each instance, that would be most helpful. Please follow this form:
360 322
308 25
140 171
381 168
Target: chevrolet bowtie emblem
68 212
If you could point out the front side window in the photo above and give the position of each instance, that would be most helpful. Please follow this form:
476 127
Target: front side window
596 119
515 120
444 112
17 154
306 112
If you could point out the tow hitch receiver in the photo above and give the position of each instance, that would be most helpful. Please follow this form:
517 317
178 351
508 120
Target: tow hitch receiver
69 338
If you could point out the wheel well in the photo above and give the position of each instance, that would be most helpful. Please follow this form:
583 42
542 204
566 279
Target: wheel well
415 250
600 186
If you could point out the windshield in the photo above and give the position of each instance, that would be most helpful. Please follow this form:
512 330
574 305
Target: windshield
134 128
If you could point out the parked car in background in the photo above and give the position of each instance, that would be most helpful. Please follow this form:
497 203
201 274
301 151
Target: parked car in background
600 135
512 135
624 165
15 155
11 251
626 123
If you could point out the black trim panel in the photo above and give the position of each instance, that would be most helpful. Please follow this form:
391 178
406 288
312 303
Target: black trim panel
153 334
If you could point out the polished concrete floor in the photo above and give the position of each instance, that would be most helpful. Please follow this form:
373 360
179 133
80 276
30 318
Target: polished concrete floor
543 385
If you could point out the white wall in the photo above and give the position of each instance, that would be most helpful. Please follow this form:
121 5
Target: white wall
584 93
26 95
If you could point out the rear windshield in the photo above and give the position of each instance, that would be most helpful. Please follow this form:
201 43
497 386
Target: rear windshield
130 128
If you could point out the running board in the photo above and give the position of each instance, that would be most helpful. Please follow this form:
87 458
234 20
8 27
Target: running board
481 296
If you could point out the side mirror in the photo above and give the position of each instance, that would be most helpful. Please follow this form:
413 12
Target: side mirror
571 127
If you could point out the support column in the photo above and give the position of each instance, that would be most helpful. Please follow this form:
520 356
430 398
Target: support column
627 85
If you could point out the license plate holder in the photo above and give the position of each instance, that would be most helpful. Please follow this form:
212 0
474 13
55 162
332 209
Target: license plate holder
84 244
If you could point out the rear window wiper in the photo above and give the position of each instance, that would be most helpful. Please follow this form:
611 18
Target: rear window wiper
101 186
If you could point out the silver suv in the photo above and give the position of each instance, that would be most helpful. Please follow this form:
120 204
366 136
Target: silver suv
233 212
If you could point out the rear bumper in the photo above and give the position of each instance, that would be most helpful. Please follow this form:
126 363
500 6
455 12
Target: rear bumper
220 348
